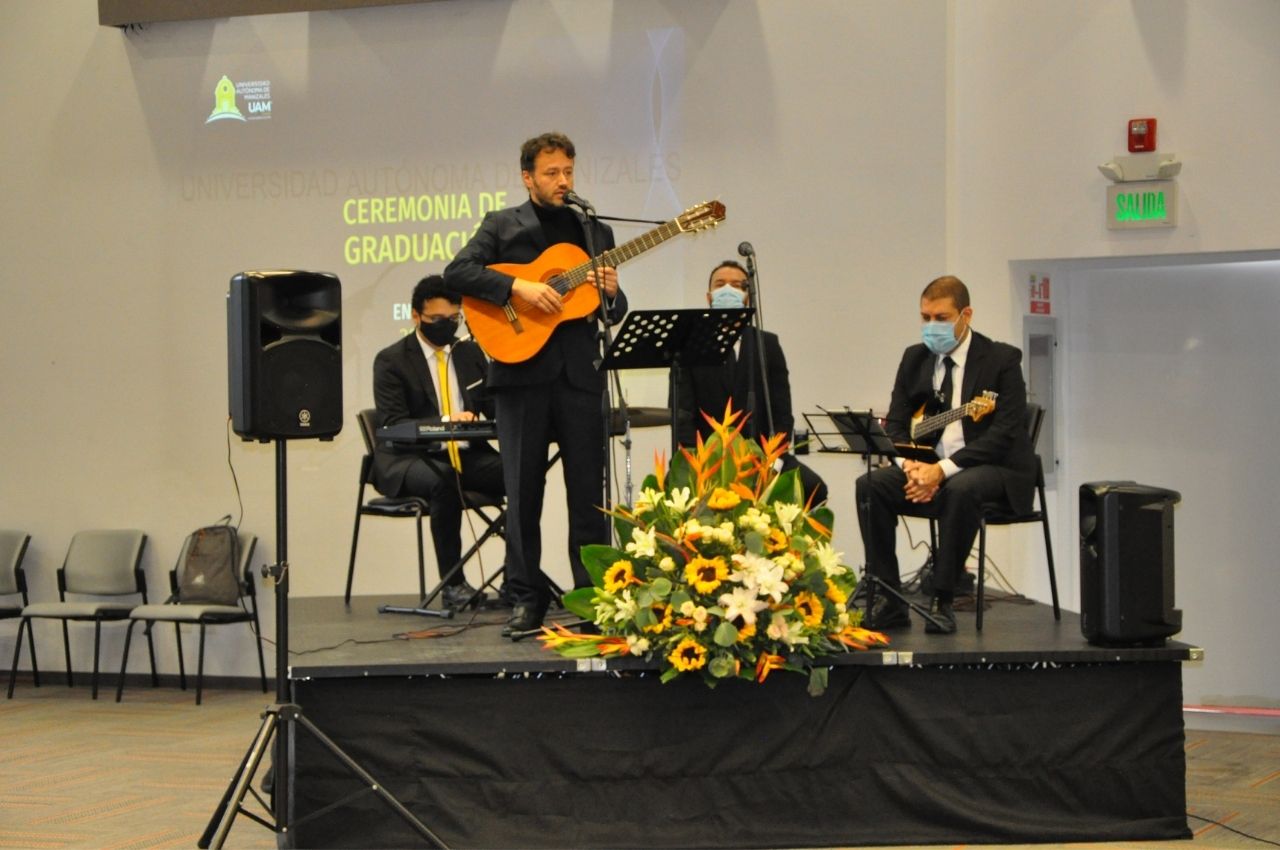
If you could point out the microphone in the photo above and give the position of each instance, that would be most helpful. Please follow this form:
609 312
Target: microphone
572 197
745 249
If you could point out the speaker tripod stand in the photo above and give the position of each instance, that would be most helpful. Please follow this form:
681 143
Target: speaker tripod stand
281 722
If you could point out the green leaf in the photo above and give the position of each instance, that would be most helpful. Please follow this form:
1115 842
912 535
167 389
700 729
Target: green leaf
753 542
679 597
579 650
581 602
644 597
661 587
680 474
623 527
721 666
645 618
822 515
726 634
650 482
597 558
817 681
786 488
669 674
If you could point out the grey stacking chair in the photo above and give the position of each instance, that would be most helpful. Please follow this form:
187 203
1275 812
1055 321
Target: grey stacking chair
101 566
13 579
174 611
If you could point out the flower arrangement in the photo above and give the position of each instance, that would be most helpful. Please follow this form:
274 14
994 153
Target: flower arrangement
726 573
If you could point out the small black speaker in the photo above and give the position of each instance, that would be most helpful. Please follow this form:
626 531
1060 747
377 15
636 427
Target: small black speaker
284 341
1126 564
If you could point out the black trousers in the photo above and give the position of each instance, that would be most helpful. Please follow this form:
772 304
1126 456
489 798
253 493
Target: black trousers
530 418
957 506
432 478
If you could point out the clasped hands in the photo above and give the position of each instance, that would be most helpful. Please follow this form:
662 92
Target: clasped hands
544 296
923 480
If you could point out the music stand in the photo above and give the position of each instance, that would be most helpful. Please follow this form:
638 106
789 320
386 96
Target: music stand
656 339
864 435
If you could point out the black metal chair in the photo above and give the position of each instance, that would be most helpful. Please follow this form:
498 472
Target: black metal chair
106 564
997 515
491 510
174 610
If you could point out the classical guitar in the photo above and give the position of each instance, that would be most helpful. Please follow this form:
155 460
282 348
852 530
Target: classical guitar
513 332
922 425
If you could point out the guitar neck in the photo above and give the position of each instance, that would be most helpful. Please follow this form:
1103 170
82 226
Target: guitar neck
939 421
615 257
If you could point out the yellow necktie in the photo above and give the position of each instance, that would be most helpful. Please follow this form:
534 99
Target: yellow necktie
446 406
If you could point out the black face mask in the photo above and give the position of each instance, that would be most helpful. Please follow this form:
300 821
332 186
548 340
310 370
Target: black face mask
439 333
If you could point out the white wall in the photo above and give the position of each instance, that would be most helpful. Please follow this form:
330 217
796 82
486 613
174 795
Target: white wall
126 214
1042 93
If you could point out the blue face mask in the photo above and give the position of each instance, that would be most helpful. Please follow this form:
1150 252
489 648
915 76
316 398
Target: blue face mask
939 337
728 298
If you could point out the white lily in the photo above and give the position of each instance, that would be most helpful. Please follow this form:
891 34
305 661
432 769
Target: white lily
680 500
741 602
644 544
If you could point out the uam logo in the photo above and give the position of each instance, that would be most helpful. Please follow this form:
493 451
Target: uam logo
257 99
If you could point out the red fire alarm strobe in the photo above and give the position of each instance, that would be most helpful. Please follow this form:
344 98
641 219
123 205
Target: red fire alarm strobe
1142 135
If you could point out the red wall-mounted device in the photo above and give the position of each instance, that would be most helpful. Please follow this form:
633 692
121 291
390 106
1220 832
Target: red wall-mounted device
1142 135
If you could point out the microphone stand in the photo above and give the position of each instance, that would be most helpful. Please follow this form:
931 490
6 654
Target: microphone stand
761 358
603 339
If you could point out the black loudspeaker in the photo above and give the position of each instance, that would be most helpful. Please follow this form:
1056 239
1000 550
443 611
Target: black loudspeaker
284 340
1126 564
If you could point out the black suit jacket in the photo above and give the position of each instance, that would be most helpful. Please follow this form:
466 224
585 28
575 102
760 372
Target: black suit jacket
1000 438
515 236
402 390
709 388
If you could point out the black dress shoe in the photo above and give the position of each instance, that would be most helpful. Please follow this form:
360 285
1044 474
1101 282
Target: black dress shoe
524 618
501 599
460 595
940 611
887 614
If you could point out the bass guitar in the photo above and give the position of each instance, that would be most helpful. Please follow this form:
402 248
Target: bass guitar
922 425
515 331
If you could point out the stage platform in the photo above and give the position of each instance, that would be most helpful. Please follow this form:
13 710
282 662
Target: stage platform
1021 733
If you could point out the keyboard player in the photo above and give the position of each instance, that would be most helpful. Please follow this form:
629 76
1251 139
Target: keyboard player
432 377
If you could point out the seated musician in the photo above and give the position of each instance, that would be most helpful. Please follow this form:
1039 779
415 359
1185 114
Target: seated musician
709 388
987 460
430 376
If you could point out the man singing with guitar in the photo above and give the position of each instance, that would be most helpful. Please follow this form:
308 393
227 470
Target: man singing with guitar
550 390
983 448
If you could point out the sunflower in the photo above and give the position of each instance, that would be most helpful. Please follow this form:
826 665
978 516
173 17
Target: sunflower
835 594
688 655
809 607
746 632
664 615
705 574
777 541
619 575
723 500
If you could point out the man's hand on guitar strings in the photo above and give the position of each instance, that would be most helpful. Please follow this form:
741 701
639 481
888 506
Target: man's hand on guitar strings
540 295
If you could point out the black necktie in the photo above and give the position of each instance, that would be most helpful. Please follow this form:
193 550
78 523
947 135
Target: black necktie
945 389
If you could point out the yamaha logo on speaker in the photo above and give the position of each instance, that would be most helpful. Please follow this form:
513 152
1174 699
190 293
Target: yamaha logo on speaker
304 418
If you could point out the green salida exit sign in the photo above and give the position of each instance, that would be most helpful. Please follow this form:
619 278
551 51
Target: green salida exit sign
1150 203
